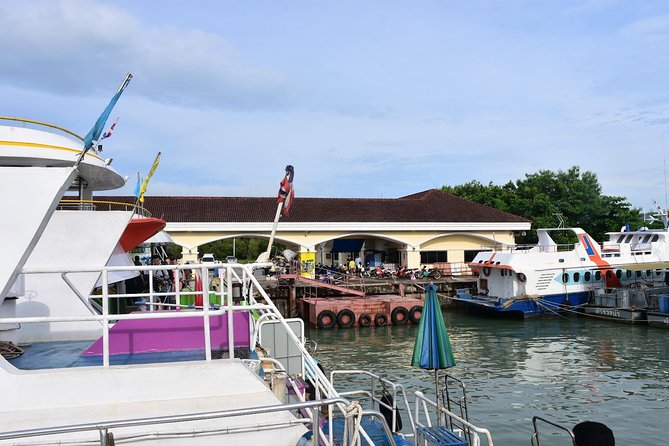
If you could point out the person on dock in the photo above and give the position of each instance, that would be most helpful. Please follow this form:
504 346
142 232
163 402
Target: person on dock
592 433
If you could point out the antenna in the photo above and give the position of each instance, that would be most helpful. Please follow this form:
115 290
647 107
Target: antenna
560 219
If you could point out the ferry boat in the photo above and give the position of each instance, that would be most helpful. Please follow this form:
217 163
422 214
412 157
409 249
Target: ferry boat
83 373
550 277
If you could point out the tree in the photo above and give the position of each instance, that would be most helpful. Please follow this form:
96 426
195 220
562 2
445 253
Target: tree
548 197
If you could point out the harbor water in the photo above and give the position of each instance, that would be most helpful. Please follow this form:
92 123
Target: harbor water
564 369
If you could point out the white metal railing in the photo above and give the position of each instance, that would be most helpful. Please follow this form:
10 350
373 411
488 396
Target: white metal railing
422 403
228 274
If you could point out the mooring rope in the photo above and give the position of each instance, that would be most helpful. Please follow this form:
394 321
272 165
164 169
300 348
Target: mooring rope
353 413
9 350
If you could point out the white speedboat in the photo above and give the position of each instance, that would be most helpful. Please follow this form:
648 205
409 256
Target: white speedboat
549 277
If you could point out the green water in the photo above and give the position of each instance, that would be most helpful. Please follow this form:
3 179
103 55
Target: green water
566 370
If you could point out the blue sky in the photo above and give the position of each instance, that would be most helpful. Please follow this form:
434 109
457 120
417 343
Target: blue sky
364 98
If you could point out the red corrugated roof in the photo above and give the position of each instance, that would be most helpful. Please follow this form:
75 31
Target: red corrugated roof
428 206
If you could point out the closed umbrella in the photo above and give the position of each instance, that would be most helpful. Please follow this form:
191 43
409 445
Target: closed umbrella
432 350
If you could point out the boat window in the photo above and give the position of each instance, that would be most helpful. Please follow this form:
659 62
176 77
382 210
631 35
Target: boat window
620 239
609 273
577 277
598 275
587 276
658 273
646 238
649 273
628 274
619 273
565 278
629 237
655 238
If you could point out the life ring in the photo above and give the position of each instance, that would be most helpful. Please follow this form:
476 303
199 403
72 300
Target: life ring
365 320
345 318
486 271
415 313
521 277
380 320
399 316
326 319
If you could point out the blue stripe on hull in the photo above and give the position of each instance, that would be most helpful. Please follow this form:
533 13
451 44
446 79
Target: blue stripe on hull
546 305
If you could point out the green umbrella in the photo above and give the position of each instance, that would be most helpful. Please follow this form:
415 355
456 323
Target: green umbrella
432 350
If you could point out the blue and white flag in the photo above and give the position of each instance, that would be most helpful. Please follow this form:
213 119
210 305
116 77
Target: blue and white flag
94 133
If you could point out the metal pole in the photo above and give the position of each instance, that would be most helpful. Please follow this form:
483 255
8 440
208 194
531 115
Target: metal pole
205 311
105 322
231 328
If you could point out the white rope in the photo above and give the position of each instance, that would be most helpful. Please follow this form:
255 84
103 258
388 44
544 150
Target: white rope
353 412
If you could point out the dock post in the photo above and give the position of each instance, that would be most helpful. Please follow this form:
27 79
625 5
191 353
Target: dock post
292 301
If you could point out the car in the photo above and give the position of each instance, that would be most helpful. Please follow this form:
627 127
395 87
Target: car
208 258
231 259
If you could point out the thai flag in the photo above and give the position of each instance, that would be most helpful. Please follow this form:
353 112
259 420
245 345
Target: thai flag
109 132
286 191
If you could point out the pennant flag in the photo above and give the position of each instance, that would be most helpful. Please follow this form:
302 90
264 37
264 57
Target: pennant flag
137 186
109 132
286 191
94 133
145 183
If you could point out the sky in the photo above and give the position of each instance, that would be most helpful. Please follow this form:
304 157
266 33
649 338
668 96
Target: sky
369 99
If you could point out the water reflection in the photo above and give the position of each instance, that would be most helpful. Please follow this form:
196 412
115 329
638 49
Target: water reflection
567 370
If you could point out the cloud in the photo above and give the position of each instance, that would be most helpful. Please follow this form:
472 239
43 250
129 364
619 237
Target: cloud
78 47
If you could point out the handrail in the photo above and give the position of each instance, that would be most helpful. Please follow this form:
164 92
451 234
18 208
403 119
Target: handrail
45 124
535 434
105 426
421 399
136 207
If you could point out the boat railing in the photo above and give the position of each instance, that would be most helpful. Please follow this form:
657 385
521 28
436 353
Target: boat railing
378 384
29 123
536 441
105 428
71 204
529 249
424 407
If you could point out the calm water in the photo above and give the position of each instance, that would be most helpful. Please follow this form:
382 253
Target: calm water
566 370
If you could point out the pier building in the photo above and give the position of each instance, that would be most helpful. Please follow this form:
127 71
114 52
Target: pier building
430 227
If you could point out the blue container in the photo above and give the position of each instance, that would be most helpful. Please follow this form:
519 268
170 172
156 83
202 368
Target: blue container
663 303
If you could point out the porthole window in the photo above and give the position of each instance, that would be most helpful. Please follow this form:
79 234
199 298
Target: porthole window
628 274
577 277
598 275
565 278
619 273
649 273
587 276
638 274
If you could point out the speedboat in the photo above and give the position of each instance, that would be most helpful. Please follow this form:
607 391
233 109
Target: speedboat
553 276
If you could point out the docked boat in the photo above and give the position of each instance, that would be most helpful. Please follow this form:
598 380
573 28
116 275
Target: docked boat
550 277
79 371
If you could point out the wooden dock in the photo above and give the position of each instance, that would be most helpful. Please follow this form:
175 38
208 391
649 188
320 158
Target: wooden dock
350 311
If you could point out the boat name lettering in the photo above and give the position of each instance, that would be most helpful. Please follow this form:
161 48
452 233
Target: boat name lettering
607 312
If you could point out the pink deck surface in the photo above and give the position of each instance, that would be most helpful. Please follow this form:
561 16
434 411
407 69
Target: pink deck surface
165 335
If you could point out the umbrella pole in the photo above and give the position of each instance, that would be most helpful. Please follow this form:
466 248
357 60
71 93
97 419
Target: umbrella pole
436 391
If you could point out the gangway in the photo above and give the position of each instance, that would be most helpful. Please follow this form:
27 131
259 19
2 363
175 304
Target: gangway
323 284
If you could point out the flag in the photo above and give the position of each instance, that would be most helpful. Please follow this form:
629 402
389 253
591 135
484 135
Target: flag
94 133
137 186
109 132
286 191
145 183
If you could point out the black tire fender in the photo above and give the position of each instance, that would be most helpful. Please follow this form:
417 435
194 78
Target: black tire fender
399 316
326 319
345 318
415 314
365 320
380 320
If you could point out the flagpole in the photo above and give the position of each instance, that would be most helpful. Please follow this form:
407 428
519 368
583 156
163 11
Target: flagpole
271 236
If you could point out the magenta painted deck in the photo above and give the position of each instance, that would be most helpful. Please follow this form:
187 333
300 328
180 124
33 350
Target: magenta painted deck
173 334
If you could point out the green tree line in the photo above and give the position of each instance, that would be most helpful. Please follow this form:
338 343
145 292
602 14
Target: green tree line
546 196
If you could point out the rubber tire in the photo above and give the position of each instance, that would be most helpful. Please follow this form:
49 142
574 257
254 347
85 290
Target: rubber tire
345 318
365 320
331 319
412 314
399 316
380 320
436 274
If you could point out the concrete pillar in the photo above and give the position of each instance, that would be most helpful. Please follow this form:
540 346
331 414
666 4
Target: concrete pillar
189 254
413 258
